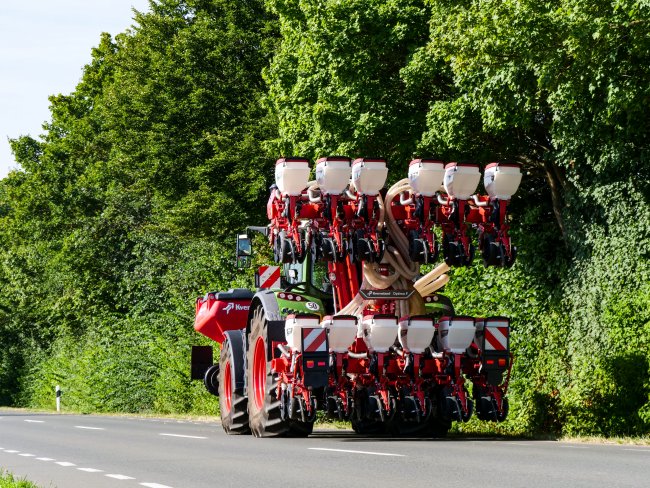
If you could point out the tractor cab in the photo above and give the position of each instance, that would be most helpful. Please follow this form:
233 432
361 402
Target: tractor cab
309 282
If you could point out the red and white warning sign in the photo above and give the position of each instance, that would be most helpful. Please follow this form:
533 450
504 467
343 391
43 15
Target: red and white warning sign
269 277
496 336
314 340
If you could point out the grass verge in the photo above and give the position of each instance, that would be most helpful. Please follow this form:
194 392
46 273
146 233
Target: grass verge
7 480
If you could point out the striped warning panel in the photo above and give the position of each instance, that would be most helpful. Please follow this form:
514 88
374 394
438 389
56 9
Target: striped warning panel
269 277
496 337
314 340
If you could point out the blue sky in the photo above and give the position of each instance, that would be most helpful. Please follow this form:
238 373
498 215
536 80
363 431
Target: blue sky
44 45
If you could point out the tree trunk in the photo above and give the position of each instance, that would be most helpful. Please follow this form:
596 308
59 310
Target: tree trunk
557 184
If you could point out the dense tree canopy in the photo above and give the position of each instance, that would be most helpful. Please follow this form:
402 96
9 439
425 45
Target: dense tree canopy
123 212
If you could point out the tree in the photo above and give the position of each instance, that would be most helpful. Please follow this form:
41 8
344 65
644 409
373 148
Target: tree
335 84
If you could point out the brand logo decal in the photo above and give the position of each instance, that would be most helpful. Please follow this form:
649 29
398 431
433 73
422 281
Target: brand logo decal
236 307
386 294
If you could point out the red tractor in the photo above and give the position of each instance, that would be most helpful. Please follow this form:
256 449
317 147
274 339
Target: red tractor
352 328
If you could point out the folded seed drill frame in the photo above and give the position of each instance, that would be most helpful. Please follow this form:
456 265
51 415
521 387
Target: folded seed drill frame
353 328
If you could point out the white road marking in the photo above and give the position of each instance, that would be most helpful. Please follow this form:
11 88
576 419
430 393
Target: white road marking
65 464
44 459
574 447
119 476
185 436
154 485
27 455
91 470
35 421
11 451
355 452
519 444
88 428
637 450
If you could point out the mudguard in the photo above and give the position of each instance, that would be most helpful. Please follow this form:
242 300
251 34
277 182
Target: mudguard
269 303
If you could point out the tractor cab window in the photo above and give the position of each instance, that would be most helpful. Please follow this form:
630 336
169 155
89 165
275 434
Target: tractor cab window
293 273
320 277
244 251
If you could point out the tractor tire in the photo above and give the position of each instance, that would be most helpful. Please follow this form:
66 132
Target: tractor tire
367 427
407 427
439 422
211 379
363 417
466 260
232 401
487 409
264 408
438 427
417 251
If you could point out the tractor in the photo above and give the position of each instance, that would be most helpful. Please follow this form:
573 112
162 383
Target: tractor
347 323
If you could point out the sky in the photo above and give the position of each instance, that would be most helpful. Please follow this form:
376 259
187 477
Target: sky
44 45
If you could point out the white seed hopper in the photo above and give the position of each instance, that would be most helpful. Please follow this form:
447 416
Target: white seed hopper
293 327
333 174
426 175
501 180
291 175
455 334
369 175
341 331
461 180
416 333
381 331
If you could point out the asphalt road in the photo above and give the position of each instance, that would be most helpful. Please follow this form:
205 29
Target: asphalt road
70 451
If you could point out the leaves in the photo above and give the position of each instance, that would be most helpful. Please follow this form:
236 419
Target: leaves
125 209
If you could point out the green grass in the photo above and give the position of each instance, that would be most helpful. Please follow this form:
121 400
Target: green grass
7 480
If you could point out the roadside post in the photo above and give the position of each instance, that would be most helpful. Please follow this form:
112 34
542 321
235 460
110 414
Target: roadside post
58 398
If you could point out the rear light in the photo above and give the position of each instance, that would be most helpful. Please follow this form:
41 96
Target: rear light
490 362
502 362
310 364
321 364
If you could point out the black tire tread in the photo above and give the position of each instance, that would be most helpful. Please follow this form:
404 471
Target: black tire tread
268 422
236 422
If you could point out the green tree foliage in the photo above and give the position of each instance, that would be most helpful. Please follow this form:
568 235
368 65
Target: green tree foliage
120 215
561 87
335 83
124 211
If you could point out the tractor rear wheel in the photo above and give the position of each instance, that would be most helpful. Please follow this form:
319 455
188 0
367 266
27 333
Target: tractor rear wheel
232 401
264 407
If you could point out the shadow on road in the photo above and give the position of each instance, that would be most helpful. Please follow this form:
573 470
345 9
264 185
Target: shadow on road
350 436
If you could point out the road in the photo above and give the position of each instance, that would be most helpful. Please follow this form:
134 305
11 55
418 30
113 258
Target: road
69 451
